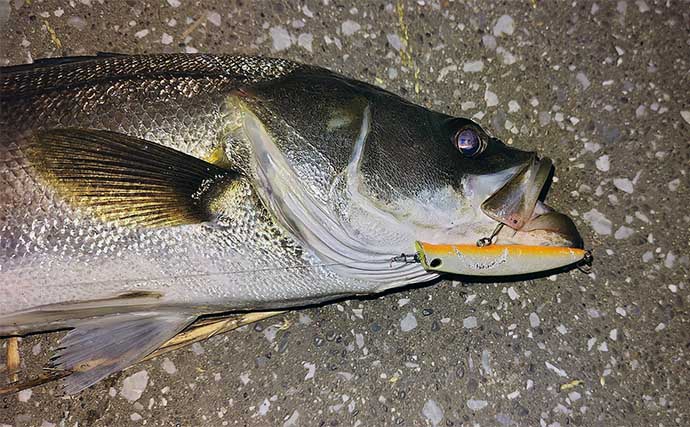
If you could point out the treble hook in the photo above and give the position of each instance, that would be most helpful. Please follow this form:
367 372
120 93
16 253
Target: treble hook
486 241
585 264
407 259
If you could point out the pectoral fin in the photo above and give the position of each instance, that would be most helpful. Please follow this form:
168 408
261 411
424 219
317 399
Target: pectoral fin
128 180
102 346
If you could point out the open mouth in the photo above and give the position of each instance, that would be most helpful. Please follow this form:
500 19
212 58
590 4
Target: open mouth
529 237
529 221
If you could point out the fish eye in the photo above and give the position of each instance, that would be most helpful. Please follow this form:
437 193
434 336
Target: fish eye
468 142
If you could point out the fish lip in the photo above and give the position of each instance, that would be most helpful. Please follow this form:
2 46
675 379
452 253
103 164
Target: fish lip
529 221
558 227
513 204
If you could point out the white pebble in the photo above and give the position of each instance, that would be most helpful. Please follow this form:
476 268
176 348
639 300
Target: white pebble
467 105
134 385
174 3
590 343
263 408
603 163
311 370
599 223
213 18
674 184
280 37
305 41
469 322
489 41
432 412
685 114
647 256
24 395
141 34
623 232
477 405
534 320
670 260
473 66
197 349
490 98
445 70
394 41
168 366
584 81
623 184
504 25
350 27
308 13
557 370
408 323
512 293
506 56
544 118
513 106
613 334
166 38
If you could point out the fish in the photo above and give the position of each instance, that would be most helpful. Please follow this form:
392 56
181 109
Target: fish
139 192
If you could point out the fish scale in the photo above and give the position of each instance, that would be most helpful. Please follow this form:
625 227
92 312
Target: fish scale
185 113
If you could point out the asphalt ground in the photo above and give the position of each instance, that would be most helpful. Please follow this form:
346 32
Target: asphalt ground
600 87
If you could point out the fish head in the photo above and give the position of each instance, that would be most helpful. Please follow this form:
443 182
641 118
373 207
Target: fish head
452 182
359 175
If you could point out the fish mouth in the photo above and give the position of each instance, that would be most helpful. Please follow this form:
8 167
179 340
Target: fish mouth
529 221
530 237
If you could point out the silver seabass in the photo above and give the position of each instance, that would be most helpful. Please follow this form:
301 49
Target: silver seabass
139 192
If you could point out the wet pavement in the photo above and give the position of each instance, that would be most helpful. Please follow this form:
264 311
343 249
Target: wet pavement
600 87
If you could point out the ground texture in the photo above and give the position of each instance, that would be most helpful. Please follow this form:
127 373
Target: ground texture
601 88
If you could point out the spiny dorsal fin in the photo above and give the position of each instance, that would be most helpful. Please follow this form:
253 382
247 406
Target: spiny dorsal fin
125 179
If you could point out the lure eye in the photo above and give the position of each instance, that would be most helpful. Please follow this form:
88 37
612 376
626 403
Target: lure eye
468 142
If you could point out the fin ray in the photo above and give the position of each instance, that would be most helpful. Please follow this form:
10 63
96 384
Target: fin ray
98 347
125 179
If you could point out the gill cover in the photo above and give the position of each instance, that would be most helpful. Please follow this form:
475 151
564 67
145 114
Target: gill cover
311 220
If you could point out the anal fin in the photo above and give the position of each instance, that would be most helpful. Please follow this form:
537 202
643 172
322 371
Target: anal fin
98 347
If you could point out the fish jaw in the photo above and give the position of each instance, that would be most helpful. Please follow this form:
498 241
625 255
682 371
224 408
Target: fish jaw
514 203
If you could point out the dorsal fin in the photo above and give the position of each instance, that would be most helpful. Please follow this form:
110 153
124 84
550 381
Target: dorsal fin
51 62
